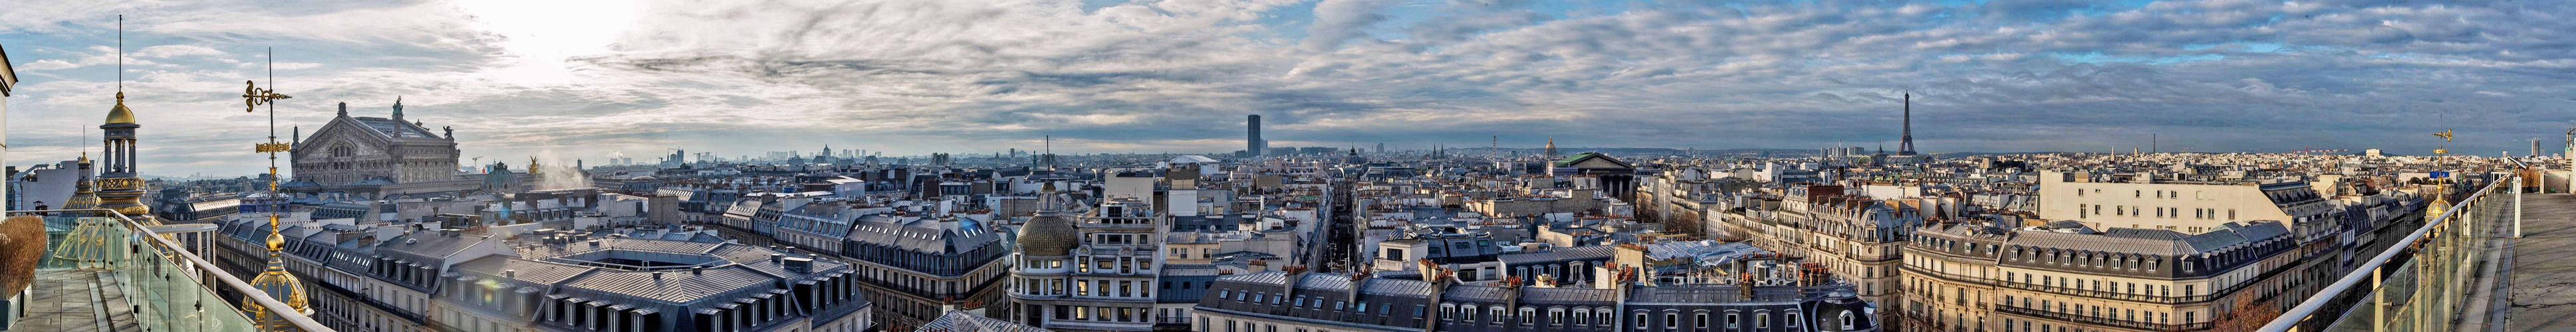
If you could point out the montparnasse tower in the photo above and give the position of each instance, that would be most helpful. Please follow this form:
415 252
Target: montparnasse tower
273 280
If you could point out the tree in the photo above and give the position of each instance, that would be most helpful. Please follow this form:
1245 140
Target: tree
2250 315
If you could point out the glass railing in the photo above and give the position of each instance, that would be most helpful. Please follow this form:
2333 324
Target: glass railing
168 287
2422 282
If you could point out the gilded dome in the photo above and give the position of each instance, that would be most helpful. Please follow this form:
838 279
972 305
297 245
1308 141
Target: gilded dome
277 284
1049 234
1051 231
120 114
82 196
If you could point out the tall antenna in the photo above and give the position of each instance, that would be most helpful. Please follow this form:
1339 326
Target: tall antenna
120 54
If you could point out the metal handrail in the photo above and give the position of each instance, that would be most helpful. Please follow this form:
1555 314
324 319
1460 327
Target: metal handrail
2310 306
277 307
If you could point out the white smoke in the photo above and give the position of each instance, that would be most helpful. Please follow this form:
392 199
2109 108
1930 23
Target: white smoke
556 173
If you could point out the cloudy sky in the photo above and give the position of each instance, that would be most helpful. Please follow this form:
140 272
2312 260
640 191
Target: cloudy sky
588 79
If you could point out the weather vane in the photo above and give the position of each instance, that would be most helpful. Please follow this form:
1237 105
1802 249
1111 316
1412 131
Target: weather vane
2446 140
254 96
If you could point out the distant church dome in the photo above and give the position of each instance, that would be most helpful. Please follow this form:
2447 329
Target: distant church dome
1051 232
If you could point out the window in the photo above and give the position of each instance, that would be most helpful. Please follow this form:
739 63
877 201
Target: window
1222 294
1847 321
1732 322
1762 319
1640 322
1699 320
1528 315
1793 318
1673 321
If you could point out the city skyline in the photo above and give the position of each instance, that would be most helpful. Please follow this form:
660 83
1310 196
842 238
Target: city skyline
914 77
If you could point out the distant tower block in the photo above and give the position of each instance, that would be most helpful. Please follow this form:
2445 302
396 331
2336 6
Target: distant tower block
1252 144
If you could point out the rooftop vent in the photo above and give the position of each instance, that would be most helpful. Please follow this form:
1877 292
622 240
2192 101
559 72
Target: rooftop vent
800 265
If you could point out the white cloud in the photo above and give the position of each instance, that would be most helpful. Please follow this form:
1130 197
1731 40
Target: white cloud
911 76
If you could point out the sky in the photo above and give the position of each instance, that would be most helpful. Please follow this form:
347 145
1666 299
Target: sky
584 79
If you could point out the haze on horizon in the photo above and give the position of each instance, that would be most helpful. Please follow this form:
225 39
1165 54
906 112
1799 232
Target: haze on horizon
588 79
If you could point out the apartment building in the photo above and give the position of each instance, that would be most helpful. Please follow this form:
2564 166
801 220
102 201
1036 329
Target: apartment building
2069 277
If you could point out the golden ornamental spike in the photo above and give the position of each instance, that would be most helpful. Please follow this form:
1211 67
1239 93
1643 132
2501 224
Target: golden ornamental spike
2446 138
253 96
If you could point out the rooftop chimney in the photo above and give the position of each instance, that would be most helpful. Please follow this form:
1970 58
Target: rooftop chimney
800 265
511 274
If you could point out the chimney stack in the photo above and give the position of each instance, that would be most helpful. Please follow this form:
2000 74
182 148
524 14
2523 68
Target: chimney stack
800 265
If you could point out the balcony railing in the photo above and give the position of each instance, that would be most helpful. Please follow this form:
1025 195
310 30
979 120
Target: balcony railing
2103 321
169 287
2421 282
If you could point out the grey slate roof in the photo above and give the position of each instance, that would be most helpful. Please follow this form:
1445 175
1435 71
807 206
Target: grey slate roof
674 286
960 321
1583 253
921 235
2152 241
529 271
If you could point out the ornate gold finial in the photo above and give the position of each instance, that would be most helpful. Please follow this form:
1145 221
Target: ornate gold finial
2446 138
253 96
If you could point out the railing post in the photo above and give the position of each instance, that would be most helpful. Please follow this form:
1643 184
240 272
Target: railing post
2378 300
2517 205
